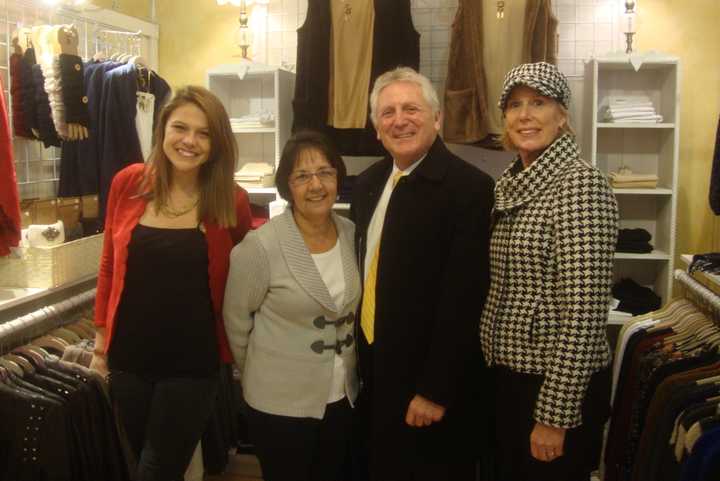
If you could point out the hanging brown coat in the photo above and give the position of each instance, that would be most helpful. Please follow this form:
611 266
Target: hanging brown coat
466 102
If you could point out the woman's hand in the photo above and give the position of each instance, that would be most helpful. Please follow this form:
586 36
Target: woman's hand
99 364
547 442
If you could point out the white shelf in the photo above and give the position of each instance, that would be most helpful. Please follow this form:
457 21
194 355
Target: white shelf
248 89
634 125
260 190
655 255
254 130
714 278
658 191
646 148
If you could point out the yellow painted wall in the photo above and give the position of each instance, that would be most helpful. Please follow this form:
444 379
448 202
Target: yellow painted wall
134 8
690 31
197 34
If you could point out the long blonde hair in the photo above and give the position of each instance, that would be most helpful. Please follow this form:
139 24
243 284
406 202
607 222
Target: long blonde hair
216 183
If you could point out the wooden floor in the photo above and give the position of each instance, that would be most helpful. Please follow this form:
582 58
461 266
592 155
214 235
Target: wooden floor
242 467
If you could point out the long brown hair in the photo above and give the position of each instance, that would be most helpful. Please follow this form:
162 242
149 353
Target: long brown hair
216 182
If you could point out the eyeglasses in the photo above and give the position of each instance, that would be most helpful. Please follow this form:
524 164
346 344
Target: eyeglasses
325 175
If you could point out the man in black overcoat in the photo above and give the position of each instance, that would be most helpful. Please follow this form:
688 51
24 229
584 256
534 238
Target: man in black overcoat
422 220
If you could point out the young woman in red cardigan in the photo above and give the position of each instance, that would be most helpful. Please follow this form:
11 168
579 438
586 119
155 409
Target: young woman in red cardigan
169 228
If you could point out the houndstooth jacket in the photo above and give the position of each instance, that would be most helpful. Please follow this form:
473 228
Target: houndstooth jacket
551 257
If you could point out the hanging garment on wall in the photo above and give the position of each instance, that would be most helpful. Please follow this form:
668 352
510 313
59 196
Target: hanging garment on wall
482 49
394 41
18 113
73 89
43 114
116 138
79 164
715 175
9 198
660 397
117 134
350 63
28 90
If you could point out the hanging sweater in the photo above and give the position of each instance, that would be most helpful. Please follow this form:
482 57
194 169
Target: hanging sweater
18 112
551 258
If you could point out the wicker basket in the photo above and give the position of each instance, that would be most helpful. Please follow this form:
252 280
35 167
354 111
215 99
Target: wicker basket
46 267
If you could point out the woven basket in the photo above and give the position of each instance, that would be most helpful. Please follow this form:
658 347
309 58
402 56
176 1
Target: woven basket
45 267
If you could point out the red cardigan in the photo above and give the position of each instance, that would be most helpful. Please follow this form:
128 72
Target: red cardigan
9 198
124 210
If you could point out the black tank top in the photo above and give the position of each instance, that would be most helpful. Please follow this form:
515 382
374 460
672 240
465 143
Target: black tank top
165 325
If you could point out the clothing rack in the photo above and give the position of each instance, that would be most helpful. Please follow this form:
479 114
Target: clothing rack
37 323
705 295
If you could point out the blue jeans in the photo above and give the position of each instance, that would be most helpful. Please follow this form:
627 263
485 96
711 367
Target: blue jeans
163 420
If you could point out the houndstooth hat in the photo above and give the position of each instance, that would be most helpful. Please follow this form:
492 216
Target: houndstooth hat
541 76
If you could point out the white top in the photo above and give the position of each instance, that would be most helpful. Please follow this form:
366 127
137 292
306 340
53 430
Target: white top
378 219
329 264
144 121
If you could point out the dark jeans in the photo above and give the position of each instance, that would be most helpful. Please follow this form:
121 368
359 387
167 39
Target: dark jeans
302 449
163 419
515 396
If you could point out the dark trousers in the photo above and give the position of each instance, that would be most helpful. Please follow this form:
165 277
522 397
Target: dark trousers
302 449
163 420
515 396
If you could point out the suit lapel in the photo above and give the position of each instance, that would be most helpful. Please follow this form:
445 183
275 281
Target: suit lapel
300 262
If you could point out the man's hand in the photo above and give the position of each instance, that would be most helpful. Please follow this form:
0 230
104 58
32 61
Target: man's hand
423 412
547 442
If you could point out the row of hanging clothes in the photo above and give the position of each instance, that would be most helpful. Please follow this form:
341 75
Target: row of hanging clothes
57 421
99 111
665 423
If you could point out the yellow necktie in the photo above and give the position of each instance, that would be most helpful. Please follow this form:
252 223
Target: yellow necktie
367 315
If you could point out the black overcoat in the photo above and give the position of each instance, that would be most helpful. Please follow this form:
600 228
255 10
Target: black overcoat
433 276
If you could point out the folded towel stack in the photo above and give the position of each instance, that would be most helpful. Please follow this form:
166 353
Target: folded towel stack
625 178
264 118
631 109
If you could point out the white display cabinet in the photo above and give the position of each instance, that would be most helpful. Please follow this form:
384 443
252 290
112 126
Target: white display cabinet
249 90
646 148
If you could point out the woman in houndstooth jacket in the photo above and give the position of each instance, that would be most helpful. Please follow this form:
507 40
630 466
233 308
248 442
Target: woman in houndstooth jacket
543 326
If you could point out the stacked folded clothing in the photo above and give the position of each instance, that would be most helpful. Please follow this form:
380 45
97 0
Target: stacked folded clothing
631 108
709 263
635 298
264 118
634 240
627 179
255 174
